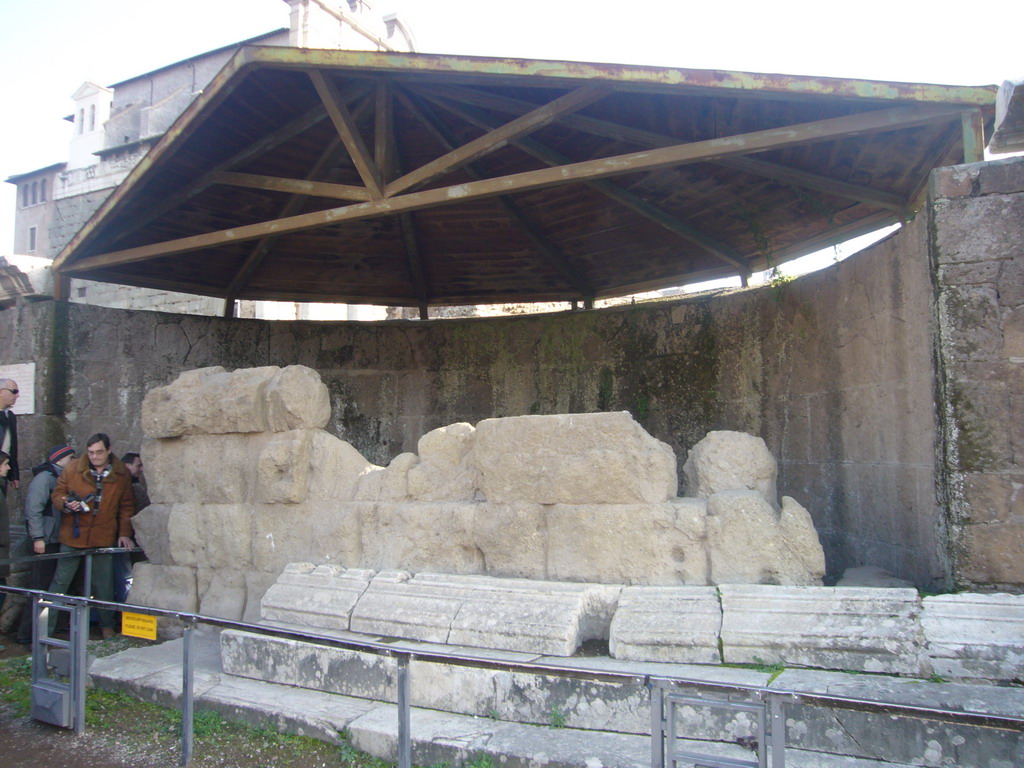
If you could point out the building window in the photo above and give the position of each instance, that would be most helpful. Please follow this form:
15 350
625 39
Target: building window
35 192
92 117
42 191
81 292
81 121
31 239
24 196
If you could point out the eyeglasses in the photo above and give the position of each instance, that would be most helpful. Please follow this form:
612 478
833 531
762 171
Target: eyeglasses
12 391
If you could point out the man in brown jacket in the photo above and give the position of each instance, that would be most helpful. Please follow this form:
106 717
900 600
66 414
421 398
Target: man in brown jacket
95 496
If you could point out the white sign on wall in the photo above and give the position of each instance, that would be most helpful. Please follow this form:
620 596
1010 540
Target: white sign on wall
25 375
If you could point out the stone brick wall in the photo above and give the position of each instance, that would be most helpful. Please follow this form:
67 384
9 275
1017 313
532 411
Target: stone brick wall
977 247
833 370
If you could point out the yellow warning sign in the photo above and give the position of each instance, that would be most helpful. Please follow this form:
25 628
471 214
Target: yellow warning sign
138 625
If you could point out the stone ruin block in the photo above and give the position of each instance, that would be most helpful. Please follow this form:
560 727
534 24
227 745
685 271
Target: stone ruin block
273 468
846 628
170 587
584 458
628 543
668 624
315 596
214 401
446 471
975 636
749 542
551 618
730 461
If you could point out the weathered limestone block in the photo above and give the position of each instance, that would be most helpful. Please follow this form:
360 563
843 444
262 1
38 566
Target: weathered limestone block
584 458
671 624
221 593
446 471
214 401
314 532
214 469
308 464
290 662
512 538
750 543
730 461
478 611
317 596
390 483
211 535
170 587
152 534
420 536
975 636
862 629
256 585
628 543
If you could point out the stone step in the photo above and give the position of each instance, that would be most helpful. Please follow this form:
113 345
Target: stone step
589 705
154 673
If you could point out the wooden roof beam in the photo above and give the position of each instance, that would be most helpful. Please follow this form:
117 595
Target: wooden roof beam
347 129
622 196
305 187
555 255
609 130
499 137
608 167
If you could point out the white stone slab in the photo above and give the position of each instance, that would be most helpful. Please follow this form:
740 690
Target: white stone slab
315 596
479 611
975 636
844 628
669 624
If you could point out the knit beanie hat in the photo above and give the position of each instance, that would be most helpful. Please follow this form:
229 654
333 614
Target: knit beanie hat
58 452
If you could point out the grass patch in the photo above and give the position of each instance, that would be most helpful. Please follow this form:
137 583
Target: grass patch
115 719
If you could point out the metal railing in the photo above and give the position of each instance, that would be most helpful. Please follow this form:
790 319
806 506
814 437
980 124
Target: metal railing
767 704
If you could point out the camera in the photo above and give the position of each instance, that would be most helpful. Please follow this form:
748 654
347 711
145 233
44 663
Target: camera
84 500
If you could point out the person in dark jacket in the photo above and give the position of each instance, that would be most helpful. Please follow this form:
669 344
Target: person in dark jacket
43 525
9 445
95 497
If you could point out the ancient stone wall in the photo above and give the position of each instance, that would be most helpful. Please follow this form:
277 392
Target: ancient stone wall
833 370
977 248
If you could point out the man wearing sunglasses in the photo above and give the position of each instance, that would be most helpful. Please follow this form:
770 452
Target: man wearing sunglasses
9 445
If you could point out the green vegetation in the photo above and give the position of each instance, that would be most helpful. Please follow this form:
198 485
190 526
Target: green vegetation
760 665
556 718
116 719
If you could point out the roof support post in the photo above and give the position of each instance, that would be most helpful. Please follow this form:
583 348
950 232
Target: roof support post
974 136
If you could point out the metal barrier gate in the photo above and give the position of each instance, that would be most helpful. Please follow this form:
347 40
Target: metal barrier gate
59 666
767 709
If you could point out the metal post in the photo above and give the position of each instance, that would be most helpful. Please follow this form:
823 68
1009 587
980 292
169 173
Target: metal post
79 637
87 591
778 714
404 731
657 727
186 697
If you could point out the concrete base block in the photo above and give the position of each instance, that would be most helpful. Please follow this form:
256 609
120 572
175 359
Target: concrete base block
673 624
845 628
975 636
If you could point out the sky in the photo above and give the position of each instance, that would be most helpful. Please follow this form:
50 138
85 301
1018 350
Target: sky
50 47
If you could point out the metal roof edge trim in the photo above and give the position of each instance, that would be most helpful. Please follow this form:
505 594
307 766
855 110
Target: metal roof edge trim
625 74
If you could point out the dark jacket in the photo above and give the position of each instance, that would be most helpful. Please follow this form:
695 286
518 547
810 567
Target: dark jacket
99 527
9 422
40 519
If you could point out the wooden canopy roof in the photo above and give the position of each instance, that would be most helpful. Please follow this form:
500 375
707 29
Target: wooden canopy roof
416 180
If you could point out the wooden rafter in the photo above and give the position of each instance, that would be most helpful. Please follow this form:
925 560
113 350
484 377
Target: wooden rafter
345 125
700 151
555 255
622 196
643 138
499 137
292 186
